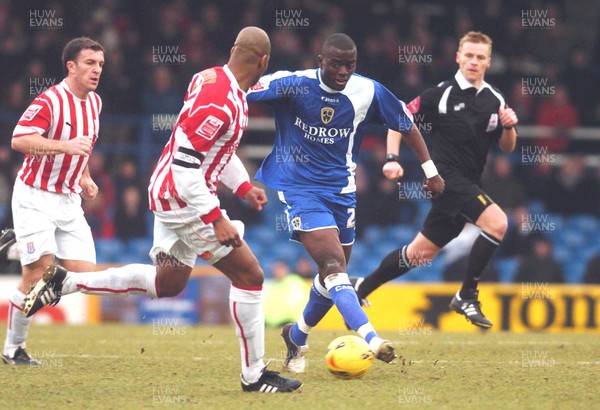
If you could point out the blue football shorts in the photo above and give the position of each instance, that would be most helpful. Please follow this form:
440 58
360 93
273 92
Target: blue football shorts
310 211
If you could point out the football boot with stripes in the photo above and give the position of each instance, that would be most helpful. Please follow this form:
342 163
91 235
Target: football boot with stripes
272 382
470 309
19 358
294 362
46 292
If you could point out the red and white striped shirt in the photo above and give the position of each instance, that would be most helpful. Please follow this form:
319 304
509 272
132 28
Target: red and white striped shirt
58 114
204 140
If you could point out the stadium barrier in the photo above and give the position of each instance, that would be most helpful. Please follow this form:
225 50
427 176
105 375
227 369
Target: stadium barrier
520 307
418 309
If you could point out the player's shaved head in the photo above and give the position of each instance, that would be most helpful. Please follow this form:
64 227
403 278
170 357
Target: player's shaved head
340 41
252 42
249 57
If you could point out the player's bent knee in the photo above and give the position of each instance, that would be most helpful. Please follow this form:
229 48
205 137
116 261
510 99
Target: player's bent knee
419 256
171 281
249 278
498 225
421 259
501 229
169 290
330 264
503 221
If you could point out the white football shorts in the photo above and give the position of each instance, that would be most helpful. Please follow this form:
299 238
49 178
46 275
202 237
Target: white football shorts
188 241
50 223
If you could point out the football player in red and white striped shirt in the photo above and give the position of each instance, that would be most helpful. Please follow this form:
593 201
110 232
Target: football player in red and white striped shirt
188 221
56 133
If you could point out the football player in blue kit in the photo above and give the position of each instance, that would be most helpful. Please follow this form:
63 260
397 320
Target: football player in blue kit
320 118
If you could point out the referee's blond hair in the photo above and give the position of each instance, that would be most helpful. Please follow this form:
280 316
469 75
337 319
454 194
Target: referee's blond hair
475 37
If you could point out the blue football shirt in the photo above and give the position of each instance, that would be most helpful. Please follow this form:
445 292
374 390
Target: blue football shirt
319 130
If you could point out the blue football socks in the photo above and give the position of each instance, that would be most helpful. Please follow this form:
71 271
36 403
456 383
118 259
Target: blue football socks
316 308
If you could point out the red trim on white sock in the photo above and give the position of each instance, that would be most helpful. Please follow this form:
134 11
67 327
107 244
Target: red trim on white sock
10 311
80 286
252 288
239 325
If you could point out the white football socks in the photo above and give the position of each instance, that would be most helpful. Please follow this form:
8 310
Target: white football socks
134 279
127 280
246 310
17 324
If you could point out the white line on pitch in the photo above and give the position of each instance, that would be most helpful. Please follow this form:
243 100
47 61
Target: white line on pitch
440 361
423 338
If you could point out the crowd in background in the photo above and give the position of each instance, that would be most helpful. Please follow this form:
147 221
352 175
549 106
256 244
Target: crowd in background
154 47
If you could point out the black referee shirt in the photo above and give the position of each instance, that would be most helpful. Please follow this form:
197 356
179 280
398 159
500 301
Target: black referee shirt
463 123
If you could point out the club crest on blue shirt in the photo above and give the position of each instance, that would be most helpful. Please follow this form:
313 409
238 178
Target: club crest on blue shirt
327 114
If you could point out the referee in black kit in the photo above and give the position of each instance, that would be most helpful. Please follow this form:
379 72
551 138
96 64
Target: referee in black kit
467 115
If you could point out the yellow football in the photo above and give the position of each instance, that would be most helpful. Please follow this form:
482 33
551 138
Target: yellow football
348 357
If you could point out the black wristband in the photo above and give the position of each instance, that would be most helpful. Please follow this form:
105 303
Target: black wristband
392 158
508 128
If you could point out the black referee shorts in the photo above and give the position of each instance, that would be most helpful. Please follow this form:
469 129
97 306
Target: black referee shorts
463 201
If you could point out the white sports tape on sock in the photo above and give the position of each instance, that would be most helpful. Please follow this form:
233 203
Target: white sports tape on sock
324 292
336 279
365 329
304 328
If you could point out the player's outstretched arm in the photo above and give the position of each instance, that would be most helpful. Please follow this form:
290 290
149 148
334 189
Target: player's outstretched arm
416 143
235 177
392 168
414 140
36 144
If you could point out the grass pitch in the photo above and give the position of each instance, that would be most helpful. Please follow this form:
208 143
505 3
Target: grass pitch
136 367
